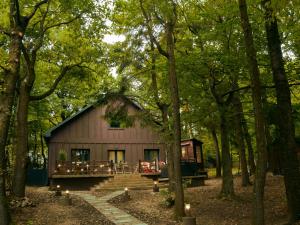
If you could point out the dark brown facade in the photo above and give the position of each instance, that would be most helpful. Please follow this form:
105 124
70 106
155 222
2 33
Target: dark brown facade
89 137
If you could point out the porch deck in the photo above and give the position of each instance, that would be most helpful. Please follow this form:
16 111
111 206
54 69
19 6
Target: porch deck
68 169
70 176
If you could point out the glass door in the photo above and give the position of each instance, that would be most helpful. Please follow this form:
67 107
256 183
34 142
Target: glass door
116 155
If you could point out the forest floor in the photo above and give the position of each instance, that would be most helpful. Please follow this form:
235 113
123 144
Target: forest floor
150 207
208 208
48 209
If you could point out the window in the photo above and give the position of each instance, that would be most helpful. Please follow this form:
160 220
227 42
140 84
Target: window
198 154
80 155
187 153
151 154
183 152
114 123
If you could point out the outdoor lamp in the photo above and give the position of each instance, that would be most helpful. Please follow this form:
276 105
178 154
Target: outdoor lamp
126 193
187 208
155 187
58 191
188 219
68 200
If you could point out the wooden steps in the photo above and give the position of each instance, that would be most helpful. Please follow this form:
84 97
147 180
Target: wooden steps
131 181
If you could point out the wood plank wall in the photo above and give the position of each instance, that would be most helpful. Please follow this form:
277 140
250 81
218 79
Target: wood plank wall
91 131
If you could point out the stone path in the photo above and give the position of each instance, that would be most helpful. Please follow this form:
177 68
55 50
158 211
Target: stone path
115 215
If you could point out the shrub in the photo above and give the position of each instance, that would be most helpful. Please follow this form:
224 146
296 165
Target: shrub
169 199
62 155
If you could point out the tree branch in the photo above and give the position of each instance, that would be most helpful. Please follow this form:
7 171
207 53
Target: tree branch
56 82
62 23
248 87
4 68
236 90
4 31
150 31
26 55
36 7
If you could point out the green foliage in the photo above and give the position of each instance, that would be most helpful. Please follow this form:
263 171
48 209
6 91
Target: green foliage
169 199
117 115
62 155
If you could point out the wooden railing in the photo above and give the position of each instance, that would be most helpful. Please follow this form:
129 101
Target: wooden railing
150 166
93 167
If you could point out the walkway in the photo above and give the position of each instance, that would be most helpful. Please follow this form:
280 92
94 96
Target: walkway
115 215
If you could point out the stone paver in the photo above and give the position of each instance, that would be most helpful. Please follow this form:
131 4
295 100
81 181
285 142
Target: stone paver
115 215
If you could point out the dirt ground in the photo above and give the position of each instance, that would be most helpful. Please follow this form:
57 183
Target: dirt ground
150 207
207 207
51 210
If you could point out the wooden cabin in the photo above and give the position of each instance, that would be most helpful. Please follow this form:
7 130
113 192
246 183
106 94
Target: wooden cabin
91 142
192 163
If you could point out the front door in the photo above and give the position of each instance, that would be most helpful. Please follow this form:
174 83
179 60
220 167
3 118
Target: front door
116 155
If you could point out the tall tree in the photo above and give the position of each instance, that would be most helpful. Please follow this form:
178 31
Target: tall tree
251 162
10 75
169 25
227 189
287 143
35 45
260 175
239 135
217 150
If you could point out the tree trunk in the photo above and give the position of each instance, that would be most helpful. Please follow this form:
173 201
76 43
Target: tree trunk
21 160
285 122
43 150
251 162
260 175
227 179
217 150
164 112
7 88
239 135
170 158
179 196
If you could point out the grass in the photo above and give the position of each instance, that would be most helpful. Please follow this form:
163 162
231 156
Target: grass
212 171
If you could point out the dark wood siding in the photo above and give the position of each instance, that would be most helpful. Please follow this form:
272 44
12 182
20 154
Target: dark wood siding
91 131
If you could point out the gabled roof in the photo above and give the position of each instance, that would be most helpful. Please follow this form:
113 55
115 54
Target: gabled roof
66 121
86 109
